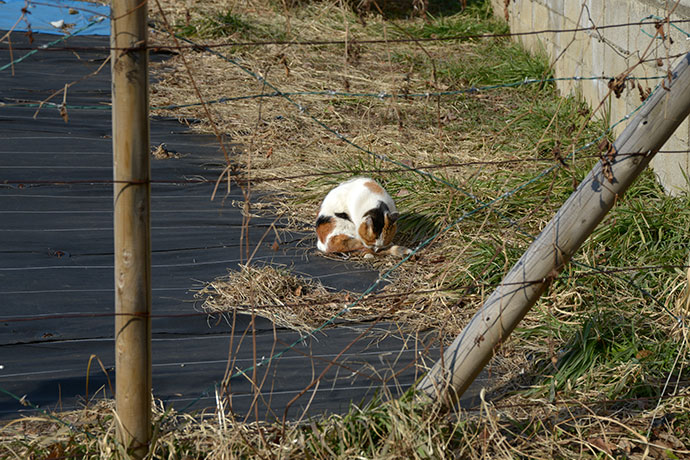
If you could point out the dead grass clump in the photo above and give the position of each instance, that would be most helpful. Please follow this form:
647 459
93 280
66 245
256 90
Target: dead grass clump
277 294
303 304
161 152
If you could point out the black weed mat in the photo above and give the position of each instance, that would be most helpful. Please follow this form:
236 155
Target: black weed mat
56 261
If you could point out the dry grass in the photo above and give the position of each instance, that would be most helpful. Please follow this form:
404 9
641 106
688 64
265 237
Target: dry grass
280 141
401 428
303 304
277 294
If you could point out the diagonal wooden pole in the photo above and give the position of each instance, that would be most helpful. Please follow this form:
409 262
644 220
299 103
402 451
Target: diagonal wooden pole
131 171
645 134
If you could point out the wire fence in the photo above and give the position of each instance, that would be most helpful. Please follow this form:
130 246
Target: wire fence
308 349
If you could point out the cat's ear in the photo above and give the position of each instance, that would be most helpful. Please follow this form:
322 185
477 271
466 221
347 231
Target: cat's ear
369 222
393 217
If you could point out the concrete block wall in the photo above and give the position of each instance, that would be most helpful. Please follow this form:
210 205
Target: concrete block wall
608 52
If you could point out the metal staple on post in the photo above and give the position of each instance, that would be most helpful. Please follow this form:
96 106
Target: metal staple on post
645 134
131 172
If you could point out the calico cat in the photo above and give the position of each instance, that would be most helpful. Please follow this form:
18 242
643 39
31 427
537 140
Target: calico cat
358 216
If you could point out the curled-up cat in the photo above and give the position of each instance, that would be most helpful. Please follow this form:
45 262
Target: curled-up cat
358 216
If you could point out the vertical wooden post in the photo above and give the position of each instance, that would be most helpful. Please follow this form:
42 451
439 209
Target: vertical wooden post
132 224
645 134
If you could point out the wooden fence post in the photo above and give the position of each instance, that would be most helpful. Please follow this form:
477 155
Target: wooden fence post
645 134
131 173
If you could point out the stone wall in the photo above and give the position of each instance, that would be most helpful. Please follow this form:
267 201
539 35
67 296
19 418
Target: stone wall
607 52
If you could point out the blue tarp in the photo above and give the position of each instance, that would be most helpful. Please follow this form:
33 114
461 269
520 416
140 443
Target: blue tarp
56 17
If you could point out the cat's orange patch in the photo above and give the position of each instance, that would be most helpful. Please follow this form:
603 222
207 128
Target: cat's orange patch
344 243
389 230
374 187
367 234
324 229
